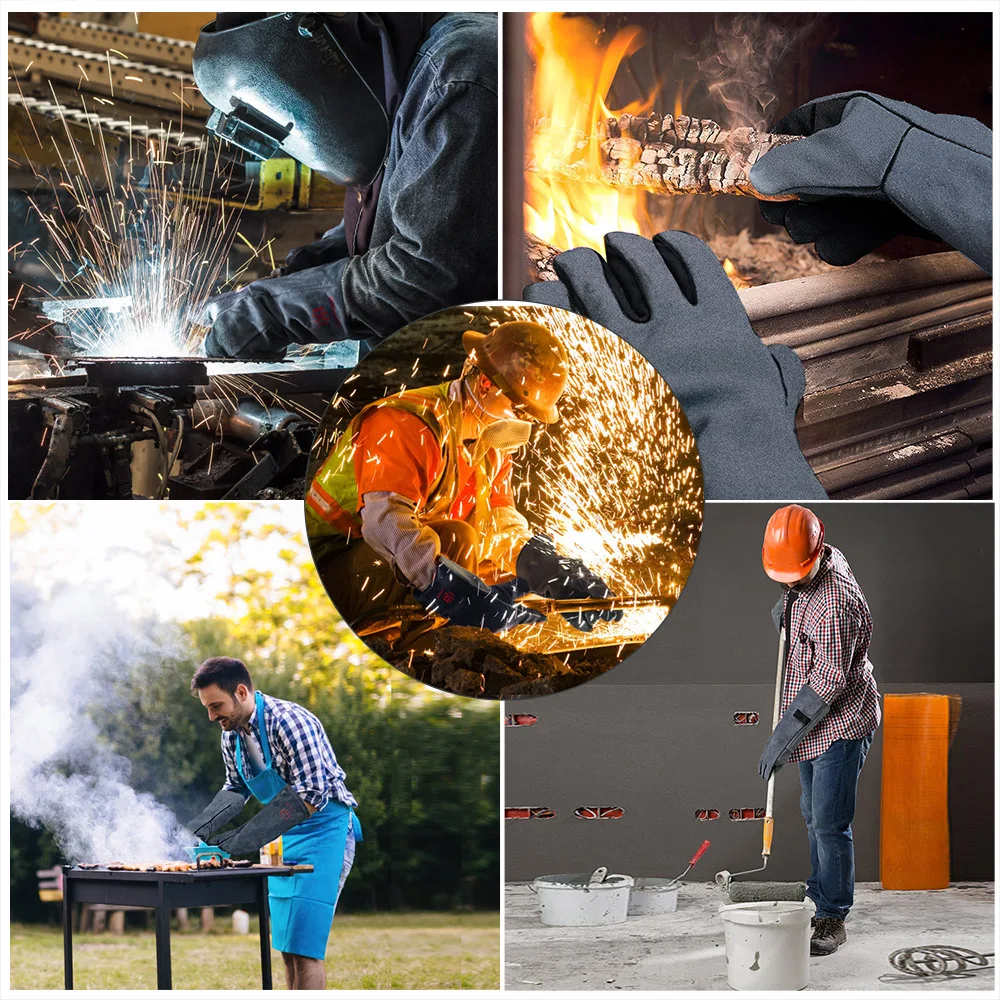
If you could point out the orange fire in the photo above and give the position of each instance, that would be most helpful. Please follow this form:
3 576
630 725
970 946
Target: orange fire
738 279
574 70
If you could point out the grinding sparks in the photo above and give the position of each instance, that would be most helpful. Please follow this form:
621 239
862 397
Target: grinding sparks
128 235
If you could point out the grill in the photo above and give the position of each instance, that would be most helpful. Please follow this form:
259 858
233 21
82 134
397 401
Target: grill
166 891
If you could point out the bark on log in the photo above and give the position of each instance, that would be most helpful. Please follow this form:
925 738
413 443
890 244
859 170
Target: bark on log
666 155
539 256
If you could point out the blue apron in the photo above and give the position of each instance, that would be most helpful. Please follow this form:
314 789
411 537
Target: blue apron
302 905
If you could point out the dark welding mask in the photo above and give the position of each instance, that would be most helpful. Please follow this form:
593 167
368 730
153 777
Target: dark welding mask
301 84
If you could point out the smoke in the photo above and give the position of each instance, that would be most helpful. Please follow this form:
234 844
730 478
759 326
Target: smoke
741 61
70 651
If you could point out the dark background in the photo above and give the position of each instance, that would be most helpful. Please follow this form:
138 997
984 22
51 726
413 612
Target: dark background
656 735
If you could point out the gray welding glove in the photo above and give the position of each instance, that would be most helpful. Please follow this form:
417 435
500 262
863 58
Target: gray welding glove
871 168
777 613
464 599
330 247
671 300
226 806
542 570
260 321
283 812
804 714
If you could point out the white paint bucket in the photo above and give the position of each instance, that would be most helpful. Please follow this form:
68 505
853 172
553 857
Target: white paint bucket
575 901
652 896
767 944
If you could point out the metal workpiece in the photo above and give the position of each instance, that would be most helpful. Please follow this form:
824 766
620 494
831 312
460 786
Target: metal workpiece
173 53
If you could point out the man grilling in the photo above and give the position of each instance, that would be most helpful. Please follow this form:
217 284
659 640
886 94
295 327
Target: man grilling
829 701
279 753
402 110
415 500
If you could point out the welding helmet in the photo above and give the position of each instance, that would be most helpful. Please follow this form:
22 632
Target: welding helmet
526 362
793 541
304 84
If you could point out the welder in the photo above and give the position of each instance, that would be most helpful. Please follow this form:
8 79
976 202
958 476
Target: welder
278 752
414 502
829 703
402 110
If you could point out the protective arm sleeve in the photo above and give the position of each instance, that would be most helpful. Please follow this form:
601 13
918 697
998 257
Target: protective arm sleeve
226 805
390 526
283 812
804 714
866 158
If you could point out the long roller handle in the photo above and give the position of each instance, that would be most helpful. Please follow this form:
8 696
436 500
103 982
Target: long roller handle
776 715
706 844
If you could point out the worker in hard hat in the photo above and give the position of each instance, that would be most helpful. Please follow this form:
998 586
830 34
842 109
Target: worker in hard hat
399 108
829 703
415 501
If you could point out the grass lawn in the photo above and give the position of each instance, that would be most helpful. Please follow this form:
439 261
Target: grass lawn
415 951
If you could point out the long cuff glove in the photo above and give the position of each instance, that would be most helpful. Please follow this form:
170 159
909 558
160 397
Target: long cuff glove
332 246
462 598
542 570
671 300
226 806
283 812
871 168
804 714
263 319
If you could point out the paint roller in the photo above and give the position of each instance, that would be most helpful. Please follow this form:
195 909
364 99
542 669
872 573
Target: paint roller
757 892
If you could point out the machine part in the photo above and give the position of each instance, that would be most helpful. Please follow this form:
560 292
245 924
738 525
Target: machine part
173 53
121 372
723 878
146 469
64 419
260 476
106 74
552 606
945 960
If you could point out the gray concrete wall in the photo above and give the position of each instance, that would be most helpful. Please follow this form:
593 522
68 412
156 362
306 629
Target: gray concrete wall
656 735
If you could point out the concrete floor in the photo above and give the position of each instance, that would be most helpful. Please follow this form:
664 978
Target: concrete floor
686 950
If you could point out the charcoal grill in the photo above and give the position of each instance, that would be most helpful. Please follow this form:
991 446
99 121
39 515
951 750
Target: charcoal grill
166 891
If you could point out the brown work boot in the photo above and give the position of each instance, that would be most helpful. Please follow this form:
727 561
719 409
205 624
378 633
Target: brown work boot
829 935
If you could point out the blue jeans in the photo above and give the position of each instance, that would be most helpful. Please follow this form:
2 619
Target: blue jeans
829 793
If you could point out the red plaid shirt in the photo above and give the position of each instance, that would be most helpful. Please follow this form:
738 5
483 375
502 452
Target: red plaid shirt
827 647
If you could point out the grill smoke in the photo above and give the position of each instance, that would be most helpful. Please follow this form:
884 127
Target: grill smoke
69 651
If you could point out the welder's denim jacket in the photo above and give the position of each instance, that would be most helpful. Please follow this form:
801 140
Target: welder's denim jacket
434 237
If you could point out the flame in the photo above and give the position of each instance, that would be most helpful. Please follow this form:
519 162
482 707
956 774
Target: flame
738 279
574 70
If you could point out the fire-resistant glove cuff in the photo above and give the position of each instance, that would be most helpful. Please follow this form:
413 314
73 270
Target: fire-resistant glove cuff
671 300
462 598
542 570
226 806
330 247
263 319
283 812
804 714
870 168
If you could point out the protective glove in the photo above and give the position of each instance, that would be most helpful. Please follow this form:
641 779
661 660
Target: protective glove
261 320
226 805
871 168
804 714
283 812
462 598
777 613
671 300
542 570
332 246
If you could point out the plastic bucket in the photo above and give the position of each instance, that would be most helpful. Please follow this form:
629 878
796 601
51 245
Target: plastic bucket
652 896
573 901
767 944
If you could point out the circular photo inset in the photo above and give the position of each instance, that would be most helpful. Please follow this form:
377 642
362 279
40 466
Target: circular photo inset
504 500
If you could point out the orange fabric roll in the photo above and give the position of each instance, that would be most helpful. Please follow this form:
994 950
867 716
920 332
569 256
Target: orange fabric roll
915 849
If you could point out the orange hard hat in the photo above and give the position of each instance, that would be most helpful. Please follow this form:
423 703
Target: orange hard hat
526 361
793 541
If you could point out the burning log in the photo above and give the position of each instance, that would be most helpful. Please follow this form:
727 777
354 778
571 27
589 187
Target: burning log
667 155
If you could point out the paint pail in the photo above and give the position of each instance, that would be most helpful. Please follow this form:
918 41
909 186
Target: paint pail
652 896
767 944
574 901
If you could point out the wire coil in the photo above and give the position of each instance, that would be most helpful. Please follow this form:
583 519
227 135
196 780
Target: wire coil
938 960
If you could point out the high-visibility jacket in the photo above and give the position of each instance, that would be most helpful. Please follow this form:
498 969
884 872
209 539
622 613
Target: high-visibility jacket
335 498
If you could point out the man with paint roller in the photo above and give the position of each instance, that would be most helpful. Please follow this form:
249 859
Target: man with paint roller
829 706
279 753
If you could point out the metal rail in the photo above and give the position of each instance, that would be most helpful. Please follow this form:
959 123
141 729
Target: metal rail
159 50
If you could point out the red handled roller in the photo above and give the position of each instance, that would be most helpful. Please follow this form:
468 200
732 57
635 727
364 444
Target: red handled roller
695 858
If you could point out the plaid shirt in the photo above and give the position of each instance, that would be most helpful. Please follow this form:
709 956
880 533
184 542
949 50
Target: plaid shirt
827 648
300 751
